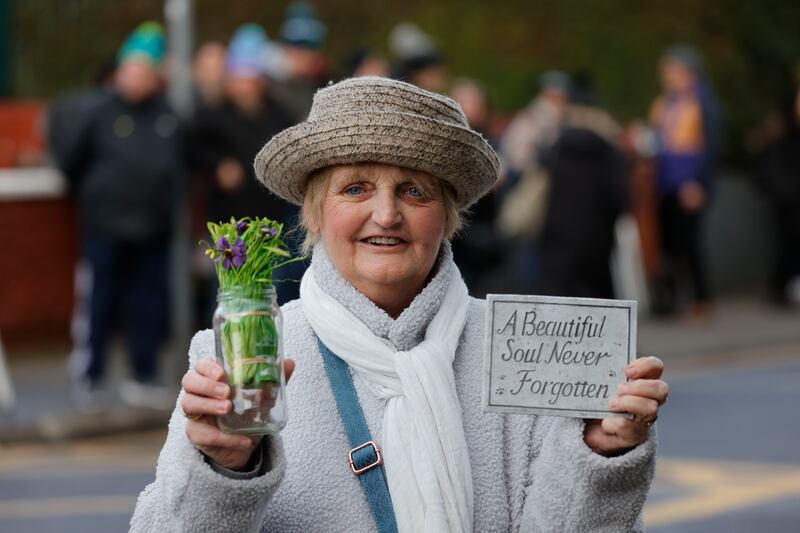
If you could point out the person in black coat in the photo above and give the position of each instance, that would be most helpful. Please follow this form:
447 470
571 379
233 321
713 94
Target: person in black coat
124 161
223 141
588 191
222 145
778 172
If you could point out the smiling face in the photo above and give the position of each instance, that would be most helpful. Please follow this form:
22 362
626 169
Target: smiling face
382 227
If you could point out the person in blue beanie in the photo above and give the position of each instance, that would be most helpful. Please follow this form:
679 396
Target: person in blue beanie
223 140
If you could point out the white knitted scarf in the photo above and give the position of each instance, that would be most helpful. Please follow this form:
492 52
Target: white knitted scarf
424 448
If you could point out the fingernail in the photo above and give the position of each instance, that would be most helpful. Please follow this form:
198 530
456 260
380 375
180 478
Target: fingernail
221 391
223 407
623 388
614 403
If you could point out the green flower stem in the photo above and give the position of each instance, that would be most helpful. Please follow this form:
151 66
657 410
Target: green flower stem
247 336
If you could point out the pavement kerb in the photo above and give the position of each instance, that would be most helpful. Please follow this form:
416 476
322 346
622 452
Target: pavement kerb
733 357
78 425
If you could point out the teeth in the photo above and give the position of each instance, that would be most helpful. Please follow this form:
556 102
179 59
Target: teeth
383 240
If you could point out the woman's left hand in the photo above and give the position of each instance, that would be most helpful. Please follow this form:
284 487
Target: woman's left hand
641 396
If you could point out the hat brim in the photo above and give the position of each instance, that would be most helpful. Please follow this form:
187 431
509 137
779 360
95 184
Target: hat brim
452 153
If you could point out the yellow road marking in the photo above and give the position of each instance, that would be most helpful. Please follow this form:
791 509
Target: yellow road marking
705 488
77 506
717 487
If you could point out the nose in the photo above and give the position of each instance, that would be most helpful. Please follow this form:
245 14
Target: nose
386 212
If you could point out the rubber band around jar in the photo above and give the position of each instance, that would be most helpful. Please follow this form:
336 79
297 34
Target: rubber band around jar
251 361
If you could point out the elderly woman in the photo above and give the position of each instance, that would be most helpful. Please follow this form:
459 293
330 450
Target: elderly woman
383 171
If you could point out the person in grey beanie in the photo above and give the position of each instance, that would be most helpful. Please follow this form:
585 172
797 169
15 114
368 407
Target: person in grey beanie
384 171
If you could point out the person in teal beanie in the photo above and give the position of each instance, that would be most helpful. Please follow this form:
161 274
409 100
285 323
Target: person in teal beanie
146 42
125 165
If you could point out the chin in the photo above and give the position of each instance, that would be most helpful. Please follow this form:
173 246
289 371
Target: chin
387 277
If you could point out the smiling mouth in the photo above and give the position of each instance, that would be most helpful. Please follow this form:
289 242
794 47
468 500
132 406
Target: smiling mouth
383 241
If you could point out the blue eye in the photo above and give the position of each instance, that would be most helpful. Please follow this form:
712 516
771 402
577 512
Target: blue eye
415 192
354 190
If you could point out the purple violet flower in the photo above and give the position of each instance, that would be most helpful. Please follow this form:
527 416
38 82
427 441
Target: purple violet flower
269 232
241 226
231 256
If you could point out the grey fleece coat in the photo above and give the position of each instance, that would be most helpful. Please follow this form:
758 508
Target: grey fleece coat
529 473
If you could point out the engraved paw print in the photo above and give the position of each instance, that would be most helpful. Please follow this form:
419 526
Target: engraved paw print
500 391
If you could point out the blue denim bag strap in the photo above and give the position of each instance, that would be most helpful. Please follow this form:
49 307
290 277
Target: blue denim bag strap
365 456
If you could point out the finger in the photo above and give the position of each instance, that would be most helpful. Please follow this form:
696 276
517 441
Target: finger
210 369
208 435
288 368
195 383
654 389
629 432
644 410
645 368
194 405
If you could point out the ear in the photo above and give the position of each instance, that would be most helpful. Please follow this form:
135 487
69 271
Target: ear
312 219
314 228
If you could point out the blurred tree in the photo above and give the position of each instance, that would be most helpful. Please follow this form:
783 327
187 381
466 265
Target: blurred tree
6 36
750 47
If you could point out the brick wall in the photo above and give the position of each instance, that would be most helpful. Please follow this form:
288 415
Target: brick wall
39 248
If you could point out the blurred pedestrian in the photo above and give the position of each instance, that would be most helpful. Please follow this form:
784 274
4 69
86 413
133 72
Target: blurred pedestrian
533 130
305 67
64 124
779 176
125 160
476 250
224 140
208 74
687 119
363 61
587 192
524 190
64 114
417 60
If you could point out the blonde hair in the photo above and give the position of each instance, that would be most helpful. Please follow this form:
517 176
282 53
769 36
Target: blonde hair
317 187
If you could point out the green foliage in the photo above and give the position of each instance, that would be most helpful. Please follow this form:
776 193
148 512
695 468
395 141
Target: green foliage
261 248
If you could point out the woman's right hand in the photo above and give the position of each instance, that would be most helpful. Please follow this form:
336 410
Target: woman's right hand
206 397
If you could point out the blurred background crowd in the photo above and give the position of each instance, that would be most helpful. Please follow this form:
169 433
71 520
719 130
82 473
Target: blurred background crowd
650 151
624 172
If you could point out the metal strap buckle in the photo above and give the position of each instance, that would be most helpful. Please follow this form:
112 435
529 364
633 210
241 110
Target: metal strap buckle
376 450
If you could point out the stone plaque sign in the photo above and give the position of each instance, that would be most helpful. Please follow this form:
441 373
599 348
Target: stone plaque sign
556 356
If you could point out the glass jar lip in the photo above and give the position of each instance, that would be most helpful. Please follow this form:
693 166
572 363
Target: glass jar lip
236 291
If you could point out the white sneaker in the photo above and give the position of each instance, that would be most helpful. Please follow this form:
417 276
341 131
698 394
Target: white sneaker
88 397
138 394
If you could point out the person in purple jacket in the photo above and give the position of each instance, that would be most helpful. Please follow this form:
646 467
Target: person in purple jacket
686 119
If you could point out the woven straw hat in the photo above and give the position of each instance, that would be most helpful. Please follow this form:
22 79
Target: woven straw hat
379 120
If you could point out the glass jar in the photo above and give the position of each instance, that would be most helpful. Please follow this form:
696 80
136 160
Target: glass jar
249 346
